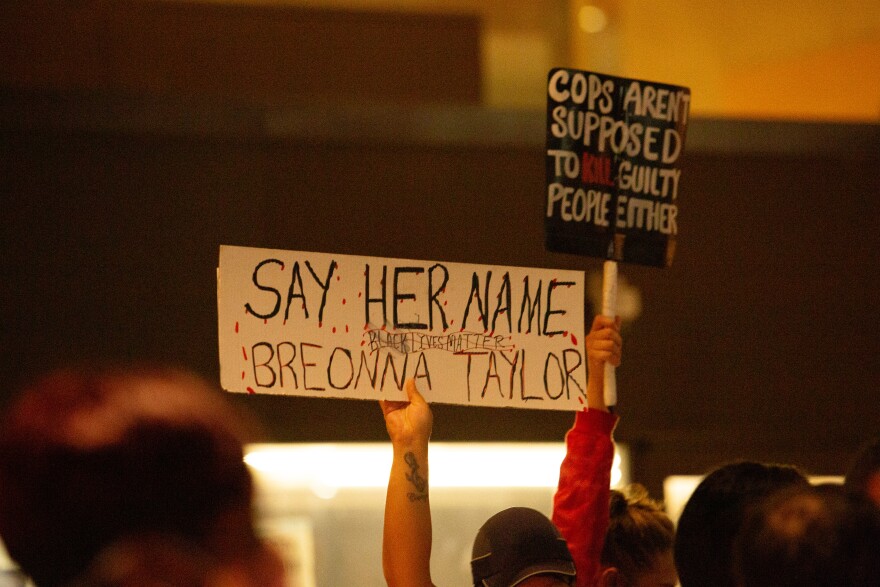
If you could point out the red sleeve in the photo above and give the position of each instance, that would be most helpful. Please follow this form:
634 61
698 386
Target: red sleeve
580 505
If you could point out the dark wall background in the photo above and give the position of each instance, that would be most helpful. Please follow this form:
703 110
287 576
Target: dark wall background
759 342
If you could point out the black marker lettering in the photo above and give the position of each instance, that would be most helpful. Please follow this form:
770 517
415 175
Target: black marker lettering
260 286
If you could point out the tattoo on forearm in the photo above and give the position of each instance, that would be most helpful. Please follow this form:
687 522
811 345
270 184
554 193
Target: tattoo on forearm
419 482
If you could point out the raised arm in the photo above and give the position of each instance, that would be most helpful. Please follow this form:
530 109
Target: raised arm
406 537
580 505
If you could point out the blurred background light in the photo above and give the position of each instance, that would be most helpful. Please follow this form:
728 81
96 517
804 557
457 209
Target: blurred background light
592 19
327 468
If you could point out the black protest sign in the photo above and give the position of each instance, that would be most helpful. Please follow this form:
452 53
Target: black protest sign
613 151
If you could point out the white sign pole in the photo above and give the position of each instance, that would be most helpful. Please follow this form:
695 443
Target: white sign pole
609 309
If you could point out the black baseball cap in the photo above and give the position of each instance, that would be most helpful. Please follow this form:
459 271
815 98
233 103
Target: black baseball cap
518 543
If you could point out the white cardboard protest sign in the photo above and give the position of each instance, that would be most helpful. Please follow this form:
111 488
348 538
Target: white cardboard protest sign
344 326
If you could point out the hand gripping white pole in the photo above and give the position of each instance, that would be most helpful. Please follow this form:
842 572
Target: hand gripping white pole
609 308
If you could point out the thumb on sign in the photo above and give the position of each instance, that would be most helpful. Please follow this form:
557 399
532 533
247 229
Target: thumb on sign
609 309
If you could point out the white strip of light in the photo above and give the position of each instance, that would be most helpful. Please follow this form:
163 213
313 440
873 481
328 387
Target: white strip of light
326 467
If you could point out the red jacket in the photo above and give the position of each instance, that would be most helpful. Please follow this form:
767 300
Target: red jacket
580 505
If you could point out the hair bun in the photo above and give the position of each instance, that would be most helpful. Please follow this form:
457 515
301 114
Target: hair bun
618 504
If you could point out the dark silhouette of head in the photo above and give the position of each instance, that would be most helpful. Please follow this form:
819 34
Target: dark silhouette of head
713 515
817 536
89 457
863 476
